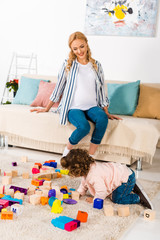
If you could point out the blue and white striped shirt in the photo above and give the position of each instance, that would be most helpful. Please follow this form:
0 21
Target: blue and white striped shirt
66 85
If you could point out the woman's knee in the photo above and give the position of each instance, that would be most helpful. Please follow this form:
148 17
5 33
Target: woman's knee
102 119
84 128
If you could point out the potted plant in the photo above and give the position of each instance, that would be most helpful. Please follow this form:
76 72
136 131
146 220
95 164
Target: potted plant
12 85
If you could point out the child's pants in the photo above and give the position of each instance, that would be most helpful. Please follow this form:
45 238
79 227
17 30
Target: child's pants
123 194
80 119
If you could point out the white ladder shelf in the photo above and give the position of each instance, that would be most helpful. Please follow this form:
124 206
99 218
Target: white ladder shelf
20 64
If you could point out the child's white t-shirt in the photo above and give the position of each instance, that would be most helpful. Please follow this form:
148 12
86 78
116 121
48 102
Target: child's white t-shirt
84 96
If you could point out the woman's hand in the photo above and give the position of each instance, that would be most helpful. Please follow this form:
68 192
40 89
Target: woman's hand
110 116
38 110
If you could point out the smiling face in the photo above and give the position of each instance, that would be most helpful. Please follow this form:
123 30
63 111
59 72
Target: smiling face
79 48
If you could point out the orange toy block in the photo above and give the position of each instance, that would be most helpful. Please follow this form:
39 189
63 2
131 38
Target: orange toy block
37 182
44 200
82 216
25 175
149 214
108 210
123 211
7 215
6 180
39 165
1 195
64 187
75 195
14 173
59 175
24 159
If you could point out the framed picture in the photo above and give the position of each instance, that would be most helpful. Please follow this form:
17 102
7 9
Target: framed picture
121 18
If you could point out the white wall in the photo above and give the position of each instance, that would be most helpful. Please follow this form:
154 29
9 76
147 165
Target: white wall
43 27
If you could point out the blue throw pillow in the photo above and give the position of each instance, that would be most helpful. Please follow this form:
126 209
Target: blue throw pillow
27 91
123 98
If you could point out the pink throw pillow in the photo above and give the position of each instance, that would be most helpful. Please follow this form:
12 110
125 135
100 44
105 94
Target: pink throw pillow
44 92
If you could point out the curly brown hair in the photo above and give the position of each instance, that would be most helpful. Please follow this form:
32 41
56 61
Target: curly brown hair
78 162
72 56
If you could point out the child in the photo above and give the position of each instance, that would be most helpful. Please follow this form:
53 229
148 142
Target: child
105 178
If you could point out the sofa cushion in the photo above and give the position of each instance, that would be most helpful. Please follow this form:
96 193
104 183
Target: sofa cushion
27 91
123 97
44 92
148 103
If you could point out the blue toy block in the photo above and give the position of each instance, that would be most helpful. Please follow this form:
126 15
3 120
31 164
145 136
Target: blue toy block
57 170
61 221
46 164
12 200
53 164
98 203
72 189
52 193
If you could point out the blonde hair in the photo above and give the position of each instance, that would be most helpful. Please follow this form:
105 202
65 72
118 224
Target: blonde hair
78 162
72 56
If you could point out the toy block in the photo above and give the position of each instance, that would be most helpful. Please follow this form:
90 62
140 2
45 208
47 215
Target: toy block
8 173
65 196
12 200
149 214
98 203
24 159
56 188
42 175
31 190
17 209
47 184
45 192
22 190
50 164
35 170
44 200
43 170
37 182
25 175
123 211
39 165
64 187
57 170
35 199
82 216
14 164
108 210
1 208
72 189
61 221
2 188
14 173
4 203
6 180
56 207
7 215
10 192
75 195
59 175
39 192
4 210
49 161
1 195
64 171
52 193
70 226
51 200
63 190
19 195
59 195
78 222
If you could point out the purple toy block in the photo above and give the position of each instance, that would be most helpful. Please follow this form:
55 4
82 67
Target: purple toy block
63 190
98 203
69 201
78 222
70 226
1 207
22 190
14 163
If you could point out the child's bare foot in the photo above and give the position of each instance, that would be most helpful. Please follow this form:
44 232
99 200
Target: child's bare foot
89 199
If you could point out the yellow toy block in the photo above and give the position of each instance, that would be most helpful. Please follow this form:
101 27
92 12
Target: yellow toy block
65 196
64 171
56 207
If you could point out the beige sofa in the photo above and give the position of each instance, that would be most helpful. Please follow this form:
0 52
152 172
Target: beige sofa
125 141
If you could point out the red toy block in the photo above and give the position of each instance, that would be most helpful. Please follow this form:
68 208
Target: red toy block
4 203
70 226
82 216
37 182
39 165
35 170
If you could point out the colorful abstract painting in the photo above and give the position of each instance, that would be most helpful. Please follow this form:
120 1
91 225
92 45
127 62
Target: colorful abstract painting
122 18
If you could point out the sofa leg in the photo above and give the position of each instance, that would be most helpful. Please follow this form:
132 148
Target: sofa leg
139 164
3 142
